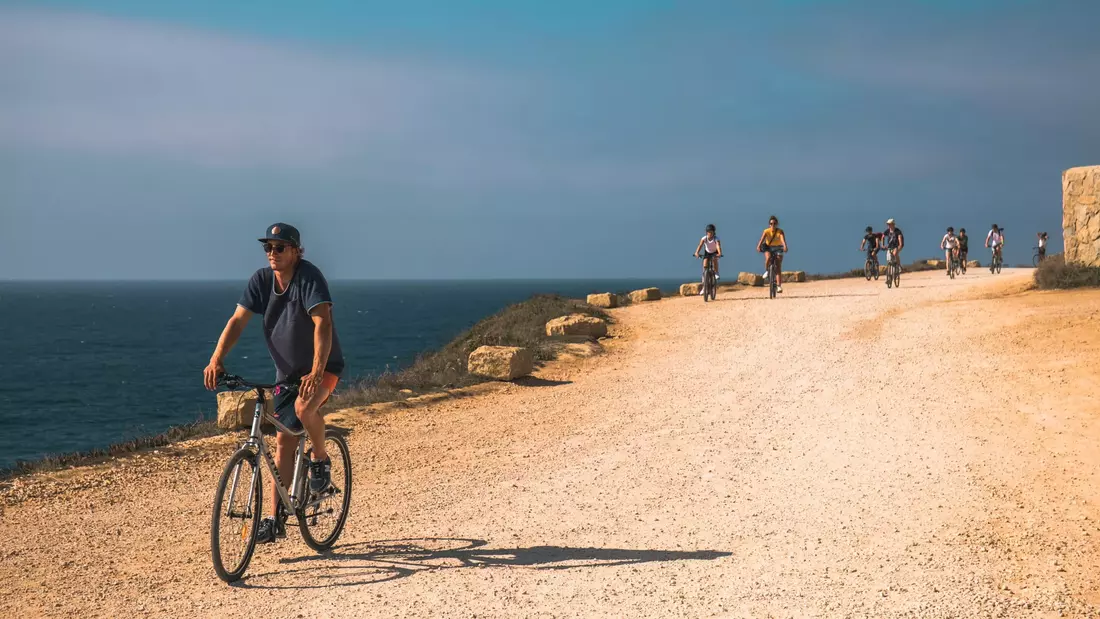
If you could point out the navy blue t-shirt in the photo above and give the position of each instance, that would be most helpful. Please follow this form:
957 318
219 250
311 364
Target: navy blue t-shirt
288 327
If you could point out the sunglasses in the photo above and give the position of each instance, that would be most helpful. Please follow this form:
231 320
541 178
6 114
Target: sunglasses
271 247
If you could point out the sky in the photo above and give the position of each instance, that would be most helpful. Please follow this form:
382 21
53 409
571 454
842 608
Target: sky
524 139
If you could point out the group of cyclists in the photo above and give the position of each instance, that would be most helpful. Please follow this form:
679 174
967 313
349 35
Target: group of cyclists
772 243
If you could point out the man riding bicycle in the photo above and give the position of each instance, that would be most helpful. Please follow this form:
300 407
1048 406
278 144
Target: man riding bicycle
712 248
964 246
894 241
995 240
293 297
950 245
871 244
773 244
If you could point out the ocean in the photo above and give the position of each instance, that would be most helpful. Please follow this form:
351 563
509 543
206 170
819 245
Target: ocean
88 364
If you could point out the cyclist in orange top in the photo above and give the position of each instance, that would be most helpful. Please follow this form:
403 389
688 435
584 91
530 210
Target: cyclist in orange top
773 244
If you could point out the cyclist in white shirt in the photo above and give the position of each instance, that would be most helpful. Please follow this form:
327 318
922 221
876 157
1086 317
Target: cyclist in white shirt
950 245
995 240
711 247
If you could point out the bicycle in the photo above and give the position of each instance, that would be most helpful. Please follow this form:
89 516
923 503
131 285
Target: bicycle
995 263
241 522
1037 257
893 270
710 282
870 267
953 266
773 271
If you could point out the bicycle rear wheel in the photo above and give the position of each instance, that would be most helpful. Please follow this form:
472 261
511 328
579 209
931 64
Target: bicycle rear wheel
322 518
236 516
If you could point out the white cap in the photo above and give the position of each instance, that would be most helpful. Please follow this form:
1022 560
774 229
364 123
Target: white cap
889 221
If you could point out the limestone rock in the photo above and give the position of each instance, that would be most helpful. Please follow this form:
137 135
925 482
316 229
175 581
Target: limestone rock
973 264
750 279
236 408
794 277
603 299
1081 215
577 324
645 294
691 290
501 362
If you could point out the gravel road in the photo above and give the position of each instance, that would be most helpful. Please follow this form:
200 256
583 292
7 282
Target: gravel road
843 451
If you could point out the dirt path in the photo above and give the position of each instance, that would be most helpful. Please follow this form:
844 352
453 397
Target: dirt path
932 451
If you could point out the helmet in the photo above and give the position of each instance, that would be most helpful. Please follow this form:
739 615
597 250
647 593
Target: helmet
710 227
869 229
950 228
889 221
963 230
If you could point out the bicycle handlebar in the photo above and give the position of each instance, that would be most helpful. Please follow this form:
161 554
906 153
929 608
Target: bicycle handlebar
232 381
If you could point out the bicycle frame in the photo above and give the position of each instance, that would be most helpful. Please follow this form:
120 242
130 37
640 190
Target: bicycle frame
290 500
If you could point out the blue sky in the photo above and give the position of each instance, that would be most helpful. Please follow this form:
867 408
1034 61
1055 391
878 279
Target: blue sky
528 139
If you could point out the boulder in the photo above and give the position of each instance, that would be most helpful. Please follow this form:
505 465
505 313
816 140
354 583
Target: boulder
501 362
794 277
577 324
603 299
236 408
939 264
646 294
973 264
1081 215
882 269
691 290
750 279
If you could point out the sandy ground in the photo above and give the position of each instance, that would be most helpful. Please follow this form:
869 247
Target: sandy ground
844 451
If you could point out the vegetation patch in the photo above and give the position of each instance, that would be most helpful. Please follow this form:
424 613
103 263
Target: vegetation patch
1054 274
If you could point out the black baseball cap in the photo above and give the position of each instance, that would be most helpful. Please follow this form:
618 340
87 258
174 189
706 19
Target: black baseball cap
282 232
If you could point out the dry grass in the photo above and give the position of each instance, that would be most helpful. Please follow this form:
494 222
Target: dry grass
1053 273
522 324
919 265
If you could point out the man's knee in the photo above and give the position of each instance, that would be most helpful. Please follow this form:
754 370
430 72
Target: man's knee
306 409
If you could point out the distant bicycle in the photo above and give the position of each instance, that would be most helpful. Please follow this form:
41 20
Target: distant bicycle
1037 257
954 268
995 263
893 270
237 511
773 272
710 280
870 267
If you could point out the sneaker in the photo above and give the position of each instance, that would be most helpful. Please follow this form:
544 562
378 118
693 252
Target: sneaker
271 529
765 276
320 474
779 288
717 277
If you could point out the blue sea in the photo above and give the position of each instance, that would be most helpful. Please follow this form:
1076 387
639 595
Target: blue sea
89 364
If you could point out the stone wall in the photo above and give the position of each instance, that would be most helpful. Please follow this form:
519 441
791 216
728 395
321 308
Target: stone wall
1081 214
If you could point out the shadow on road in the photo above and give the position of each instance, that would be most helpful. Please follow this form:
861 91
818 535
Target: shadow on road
368 563
534 381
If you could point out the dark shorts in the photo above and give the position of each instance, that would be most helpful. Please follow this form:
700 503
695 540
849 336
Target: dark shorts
872 254
285 397
708 255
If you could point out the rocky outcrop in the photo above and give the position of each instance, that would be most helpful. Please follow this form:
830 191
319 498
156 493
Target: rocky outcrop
973 264
236 408
1081 215
691 290
577 325
603 299
750 279
501 362
646 294
794 277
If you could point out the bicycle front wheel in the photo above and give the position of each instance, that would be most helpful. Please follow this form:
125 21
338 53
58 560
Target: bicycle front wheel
322 518
236 517
867 270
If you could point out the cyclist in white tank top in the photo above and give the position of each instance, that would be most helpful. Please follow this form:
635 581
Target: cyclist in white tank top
950 245
712 248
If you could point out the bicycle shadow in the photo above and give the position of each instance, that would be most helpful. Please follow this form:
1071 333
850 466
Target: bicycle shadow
367 563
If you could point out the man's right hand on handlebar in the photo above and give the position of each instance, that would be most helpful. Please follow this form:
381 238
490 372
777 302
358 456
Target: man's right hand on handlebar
211 373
